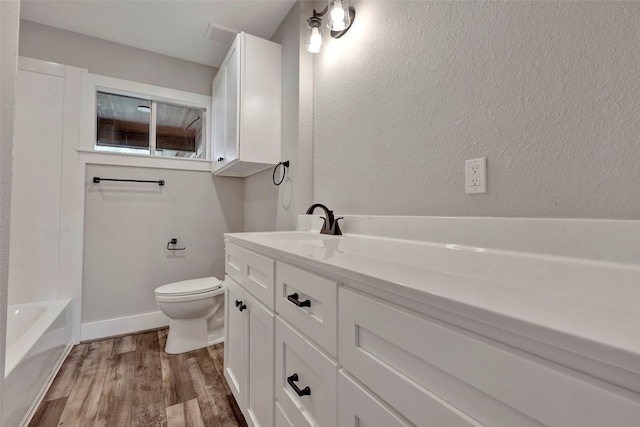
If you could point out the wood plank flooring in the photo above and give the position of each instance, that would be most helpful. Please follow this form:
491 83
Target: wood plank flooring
130 381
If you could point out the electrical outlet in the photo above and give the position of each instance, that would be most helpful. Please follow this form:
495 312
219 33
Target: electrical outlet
475 174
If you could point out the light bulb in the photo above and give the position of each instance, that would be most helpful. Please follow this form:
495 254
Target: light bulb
315 43
337 14
316 38
339 19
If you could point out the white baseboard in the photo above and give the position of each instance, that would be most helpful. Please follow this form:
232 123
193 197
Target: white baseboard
123 325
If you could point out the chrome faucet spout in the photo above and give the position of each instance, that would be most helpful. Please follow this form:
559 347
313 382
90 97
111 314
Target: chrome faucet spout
330 225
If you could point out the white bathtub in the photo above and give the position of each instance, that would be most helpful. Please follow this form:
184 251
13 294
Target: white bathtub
38 340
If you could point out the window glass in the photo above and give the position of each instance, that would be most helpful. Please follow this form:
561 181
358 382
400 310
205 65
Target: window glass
179 131
123 123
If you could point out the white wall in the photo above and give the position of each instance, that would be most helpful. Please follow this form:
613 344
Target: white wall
113 59
547 91
128 225
268 207
35 206
9 18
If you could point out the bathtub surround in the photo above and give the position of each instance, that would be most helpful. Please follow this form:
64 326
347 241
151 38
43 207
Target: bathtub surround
9 21
35 219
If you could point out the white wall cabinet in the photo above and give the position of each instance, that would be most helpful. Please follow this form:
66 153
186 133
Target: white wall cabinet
247 99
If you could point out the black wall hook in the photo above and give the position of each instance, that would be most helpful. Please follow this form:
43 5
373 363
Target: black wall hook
174 242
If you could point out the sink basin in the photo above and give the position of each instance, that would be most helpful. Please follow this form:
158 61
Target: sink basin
295 235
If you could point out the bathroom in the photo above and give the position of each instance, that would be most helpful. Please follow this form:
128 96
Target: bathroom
380 122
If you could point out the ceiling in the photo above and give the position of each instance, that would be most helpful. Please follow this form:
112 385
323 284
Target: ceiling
169 27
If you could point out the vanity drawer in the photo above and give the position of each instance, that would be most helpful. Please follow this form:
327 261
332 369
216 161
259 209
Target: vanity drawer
297 356
257 276
233 261
316 315
358 407
436 374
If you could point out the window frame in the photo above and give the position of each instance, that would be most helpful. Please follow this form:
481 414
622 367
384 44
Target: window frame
91 84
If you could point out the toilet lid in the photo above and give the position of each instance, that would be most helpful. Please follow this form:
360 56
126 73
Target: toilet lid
189 287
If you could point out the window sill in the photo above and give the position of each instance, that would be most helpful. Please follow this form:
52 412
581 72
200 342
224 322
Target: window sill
143 161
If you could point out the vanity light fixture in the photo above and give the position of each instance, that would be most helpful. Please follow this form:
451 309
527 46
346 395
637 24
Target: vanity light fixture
341 17
144 108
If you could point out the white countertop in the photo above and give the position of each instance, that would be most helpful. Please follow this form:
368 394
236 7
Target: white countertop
586 306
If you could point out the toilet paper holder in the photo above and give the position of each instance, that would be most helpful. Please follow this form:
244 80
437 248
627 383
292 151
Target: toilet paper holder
174 242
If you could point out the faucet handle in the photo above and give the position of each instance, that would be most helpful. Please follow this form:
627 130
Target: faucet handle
336 227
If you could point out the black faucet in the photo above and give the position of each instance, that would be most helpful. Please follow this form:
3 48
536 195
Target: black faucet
330 225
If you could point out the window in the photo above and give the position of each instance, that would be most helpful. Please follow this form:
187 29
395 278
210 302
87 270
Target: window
129 124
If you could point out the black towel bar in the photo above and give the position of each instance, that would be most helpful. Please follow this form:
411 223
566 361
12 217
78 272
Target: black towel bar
97 180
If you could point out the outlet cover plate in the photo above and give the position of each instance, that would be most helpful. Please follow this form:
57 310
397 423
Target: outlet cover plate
475 175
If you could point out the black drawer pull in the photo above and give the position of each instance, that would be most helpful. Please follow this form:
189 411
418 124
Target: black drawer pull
304 392
294 299
238 303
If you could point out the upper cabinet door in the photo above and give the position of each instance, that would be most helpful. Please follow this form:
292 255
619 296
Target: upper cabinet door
247 132
232 104
218 117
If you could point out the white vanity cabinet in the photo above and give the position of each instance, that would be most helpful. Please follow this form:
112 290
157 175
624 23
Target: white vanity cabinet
349 350
249 335
437 374
247 108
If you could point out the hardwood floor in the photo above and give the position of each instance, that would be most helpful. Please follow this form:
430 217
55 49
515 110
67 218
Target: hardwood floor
131 381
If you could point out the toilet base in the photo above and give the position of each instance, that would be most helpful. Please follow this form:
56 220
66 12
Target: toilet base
186 335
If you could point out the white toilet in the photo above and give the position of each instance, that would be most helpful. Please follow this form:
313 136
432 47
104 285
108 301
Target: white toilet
196 310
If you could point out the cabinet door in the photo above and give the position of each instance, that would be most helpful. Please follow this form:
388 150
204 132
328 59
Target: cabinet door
231 103
217 127
259 398
235 337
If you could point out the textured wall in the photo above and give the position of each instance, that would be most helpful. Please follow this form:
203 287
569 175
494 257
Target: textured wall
549 92
127 227
9 14
268 207
112 59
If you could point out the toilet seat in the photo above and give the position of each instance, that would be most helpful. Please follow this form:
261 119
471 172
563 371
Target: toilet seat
189 287
189 290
